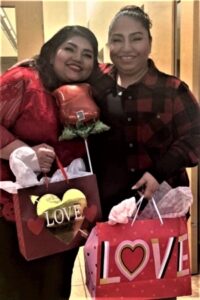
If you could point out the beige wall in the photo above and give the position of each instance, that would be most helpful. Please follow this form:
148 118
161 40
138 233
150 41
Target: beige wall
6 48
38 21
186 45
190 73
29 24
196 51
161 14
55 16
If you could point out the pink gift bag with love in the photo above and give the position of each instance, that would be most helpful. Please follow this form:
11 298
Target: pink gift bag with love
57 217
144 260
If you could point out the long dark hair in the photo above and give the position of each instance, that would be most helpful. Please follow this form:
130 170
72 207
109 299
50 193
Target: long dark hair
48 50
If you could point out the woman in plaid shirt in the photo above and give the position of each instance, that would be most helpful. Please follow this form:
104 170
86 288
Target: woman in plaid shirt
154 118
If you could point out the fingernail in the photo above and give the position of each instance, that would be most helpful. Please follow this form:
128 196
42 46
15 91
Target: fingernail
134 187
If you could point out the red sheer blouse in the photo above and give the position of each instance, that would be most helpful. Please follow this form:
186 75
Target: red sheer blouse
29 112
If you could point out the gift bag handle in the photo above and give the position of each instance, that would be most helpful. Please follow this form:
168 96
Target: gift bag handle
60 166
139 203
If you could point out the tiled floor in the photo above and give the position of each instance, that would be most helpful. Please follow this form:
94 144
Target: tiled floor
79 290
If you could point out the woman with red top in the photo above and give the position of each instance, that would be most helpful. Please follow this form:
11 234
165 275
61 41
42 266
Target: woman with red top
153 116
29 116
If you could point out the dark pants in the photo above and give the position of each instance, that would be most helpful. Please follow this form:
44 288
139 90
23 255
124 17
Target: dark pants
47 278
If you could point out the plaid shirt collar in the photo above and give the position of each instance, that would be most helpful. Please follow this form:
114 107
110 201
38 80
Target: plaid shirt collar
149 79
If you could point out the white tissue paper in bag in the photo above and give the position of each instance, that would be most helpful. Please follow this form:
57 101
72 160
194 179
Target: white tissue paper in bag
175 203
75 169
171 203
24 165
121 212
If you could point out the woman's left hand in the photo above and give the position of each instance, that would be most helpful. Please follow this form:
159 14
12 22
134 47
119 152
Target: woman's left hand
147 185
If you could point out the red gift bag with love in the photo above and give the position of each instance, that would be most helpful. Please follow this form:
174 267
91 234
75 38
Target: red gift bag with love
148 260
56 218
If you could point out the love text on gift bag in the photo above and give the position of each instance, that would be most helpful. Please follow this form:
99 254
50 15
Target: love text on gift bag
57 218
147 260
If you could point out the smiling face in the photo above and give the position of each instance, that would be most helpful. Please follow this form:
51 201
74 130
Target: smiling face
74 60
129 45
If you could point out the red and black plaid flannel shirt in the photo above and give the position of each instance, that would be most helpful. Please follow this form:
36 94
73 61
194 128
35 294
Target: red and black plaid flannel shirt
161 123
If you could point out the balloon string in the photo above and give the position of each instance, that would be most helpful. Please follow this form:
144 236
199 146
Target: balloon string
88 155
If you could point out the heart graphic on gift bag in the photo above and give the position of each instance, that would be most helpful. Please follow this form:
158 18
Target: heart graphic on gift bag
131 257
49 203
63 217
90 213
35 225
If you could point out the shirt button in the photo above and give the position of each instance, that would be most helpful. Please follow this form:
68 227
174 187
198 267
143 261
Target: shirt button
130 145
130 97
132 170
129 119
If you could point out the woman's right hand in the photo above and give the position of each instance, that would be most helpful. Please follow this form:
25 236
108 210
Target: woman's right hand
45 155
147 185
